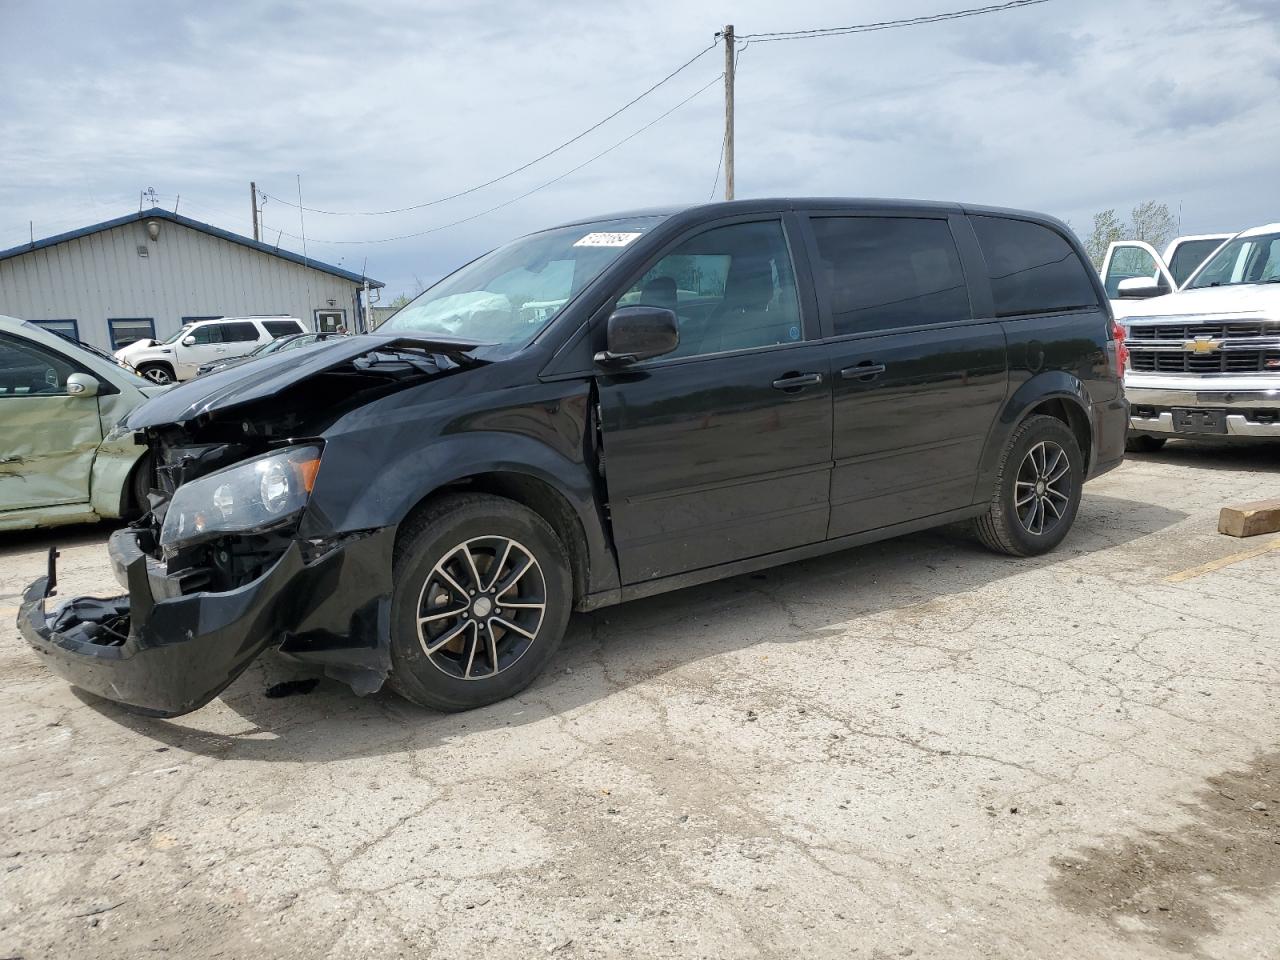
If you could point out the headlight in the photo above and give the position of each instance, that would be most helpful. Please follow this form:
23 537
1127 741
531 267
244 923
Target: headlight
255 495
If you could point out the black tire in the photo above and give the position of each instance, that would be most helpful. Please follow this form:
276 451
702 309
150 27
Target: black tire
1143 443
160 374
432 541
1005 527
139 486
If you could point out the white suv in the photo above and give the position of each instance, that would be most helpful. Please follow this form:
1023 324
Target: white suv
205 341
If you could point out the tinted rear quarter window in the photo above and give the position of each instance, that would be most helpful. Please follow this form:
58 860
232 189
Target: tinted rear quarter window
888 272
282 328
238 332
1033 269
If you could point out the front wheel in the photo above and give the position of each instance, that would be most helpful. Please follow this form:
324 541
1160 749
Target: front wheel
157 373
482 597
1037 490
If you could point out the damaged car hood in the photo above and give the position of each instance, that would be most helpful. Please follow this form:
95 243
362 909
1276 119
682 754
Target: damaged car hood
271 374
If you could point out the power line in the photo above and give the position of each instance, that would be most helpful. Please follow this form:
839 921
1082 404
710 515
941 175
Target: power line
528 193
519 169
888 24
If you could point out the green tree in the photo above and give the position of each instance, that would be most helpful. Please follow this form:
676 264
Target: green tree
400 301
1107 228
1153 223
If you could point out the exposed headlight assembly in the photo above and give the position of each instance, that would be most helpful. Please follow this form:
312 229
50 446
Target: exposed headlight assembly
256 495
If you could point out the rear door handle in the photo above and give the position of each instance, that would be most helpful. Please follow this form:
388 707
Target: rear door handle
797 381
862 371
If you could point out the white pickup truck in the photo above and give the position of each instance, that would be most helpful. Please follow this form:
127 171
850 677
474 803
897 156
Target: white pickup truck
1203 356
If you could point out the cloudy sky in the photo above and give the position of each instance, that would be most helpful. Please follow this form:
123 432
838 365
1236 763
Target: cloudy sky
1070 107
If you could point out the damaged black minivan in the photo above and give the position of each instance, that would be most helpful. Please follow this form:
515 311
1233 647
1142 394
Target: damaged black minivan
595 413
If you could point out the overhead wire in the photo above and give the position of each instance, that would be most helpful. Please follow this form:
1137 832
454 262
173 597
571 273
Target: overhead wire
527 193
768 37
510 173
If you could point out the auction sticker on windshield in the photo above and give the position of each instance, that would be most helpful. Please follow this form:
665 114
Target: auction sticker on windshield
607 239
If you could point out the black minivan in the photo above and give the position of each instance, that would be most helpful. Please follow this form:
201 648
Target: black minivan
595 413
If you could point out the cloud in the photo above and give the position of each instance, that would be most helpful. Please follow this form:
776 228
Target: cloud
1062 107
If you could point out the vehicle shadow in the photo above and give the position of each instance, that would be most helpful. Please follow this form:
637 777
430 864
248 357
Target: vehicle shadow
1260 456
600 655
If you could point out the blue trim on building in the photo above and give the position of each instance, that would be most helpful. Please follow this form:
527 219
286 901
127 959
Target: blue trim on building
116 343
156 213
52 326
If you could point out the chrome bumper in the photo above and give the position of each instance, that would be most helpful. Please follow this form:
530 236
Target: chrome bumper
1239 398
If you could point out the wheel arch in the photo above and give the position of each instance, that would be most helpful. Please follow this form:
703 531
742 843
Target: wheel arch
1056 394
533 492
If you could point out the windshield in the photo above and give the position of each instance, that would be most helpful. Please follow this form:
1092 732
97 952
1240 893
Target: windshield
507 296
1253 259
182 332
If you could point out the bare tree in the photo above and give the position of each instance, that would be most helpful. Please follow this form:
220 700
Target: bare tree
1107 228
1153 223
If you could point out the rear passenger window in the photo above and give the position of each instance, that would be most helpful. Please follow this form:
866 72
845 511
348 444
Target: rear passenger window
282 328
1032 268
889 272
238 332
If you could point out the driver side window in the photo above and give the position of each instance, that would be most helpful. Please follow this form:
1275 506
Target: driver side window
731 288
209 333
27 370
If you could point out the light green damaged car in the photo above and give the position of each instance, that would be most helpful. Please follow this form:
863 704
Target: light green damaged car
63 456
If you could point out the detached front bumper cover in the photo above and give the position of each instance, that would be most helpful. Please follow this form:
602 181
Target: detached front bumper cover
162 656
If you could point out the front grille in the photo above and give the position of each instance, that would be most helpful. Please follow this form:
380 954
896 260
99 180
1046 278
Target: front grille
1221 361
1189 329
1218 345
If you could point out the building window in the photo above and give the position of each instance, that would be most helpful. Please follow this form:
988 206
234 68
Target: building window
65 328
127 330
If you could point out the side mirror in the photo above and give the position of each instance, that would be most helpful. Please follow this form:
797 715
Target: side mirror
82 385
188 341
1140 288
639 333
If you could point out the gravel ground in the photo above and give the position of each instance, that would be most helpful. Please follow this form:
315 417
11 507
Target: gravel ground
914 748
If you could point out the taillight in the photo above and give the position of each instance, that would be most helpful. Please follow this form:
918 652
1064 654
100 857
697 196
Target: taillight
1118 333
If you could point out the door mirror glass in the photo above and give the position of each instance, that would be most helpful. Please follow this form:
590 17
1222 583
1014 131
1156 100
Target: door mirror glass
82 385
188 341
639 333
1140 288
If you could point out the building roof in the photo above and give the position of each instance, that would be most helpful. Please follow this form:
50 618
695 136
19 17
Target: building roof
157 213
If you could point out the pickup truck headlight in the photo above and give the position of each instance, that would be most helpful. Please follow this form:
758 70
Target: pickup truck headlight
256 495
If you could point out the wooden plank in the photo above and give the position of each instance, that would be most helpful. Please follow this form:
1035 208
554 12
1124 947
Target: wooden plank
1250 519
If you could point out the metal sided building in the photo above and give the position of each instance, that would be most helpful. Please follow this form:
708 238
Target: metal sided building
146 274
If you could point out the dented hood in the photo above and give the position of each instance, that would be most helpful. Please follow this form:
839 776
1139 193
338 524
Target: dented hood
271 374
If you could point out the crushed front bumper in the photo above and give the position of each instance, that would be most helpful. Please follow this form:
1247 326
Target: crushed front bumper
164 653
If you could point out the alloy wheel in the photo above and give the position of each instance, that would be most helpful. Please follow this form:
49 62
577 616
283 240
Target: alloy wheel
1042 489
159 375
481 607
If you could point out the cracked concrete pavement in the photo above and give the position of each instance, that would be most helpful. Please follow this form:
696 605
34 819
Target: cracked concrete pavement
915 747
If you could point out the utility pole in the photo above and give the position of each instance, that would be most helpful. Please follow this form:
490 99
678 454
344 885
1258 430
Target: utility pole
728 111
253 201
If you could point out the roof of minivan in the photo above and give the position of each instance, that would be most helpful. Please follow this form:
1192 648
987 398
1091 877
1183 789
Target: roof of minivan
767 204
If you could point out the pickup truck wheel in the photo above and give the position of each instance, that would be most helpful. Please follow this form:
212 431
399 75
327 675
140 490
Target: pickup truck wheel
1037 490
160 373
481 600
1142 443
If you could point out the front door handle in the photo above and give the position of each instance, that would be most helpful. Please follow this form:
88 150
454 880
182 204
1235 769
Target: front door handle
797 381
866 370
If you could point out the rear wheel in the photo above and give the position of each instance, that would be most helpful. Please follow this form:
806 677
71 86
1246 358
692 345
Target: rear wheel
1037 490
482 597
159 373
1142 443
